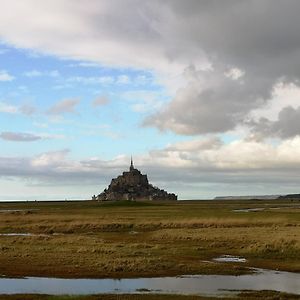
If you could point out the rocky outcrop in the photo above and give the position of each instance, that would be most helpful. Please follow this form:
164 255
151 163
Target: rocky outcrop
133 185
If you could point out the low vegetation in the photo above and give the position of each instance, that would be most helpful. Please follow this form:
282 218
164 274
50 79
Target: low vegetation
132 239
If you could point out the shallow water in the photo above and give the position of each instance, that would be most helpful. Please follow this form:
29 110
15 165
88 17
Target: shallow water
17 234
198 284
17 210
25 234
286 207
229 258
249 209
10 210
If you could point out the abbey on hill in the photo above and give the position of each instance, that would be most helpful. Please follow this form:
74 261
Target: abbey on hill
133 185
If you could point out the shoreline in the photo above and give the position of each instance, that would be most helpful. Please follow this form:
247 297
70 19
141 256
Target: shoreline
241 295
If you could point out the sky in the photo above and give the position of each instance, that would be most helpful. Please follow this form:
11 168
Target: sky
203 94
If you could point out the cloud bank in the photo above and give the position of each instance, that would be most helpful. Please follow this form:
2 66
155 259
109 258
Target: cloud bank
242 46
185 164
228 66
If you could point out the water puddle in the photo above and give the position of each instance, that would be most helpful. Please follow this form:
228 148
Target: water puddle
249 209
26 234
133 232
285 207
230 258
10 210
17 234
18 210
196 284
264 208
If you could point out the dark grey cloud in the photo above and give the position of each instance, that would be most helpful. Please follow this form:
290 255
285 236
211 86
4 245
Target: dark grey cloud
262 38
210 103
259 37
287 125
19 136
256 35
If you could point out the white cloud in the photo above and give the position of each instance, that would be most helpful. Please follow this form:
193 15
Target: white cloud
144 101
8 108
50 159
234 73
40 125
143 80
92 80
222 72
283 95
209 103
246 158
5 76
36 73
123 79
25 109
26 137
99 130
33 73
188 167
111 29
85 65
196 145
165 38
19 136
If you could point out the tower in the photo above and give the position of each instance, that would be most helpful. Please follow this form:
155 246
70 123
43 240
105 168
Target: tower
131 165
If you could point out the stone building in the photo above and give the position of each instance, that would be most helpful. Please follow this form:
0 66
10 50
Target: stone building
133 185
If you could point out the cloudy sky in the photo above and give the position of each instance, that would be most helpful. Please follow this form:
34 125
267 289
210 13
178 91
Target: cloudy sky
203 94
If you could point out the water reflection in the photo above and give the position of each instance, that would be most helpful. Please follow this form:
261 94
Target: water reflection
200 284
249 209
17 210
20 234
229 258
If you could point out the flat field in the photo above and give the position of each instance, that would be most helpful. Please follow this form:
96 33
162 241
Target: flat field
133 239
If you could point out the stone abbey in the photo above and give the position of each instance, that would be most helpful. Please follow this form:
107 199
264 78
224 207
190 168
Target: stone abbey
133 185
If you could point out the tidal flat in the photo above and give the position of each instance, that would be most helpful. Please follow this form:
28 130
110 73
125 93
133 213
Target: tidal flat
86 239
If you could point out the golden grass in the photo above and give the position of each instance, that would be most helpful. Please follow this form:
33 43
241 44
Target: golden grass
87 239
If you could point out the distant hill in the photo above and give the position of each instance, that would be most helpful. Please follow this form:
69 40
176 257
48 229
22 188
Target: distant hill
290 196
262 197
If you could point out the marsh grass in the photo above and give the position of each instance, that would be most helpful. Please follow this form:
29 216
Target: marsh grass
133 239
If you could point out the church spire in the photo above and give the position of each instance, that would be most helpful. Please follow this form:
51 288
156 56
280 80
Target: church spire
131 164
